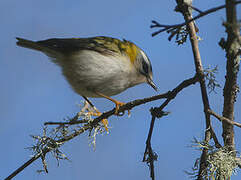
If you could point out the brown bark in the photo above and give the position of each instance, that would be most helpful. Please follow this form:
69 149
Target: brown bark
232 47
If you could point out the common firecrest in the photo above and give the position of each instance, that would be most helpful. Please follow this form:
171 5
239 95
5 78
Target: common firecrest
97 66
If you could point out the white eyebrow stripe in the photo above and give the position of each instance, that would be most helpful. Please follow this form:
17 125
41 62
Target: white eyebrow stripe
145 57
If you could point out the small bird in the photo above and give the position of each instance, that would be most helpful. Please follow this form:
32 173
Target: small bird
97 66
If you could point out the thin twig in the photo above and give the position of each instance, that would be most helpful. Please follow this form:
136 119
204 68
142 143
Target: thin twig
221 118
215 139
175 26
66 123
149 155
26 164
196 9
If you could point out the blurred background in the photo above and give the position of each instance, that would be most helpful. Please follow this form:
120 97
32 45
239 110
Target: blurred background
33 90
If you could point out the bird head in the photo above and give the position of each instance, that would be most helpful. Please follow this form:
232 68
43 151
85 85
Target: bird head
141 62
143 65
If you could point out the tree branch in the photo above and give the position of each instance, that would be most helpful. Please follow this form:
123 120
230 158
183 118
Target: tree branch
221 118
149 156
183 8
128 106
232 47
176 26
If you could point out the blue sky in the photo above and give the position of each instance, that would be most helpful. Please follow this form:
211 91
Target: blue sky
33 90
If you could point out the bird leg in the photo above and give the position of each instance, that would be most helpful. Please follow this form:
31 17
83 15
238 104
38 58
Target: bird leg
117 103
97 113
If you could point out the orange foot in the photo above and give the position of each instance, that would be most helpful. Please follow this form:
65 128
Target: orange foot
117 103
104 121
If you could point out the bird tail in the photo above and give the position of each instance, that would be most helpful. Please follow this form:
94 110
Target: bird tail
35 45
29 44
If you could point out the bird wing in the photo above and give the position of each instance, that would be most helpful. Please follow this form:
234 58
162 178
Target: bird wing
103 45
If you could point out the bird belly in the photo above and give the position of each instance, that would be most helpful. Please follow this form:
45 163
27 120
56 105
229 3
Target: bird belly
89 72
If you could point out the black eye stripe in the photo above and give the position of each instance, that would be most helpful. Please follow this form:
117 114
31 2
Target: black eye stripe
145 67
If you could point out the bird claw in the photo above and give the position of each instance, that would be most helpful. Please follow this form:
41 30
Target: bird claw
117 113
117 107
104 121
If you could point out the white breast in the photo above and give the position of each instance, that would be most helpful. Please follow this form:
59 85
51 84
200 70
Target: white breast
89 72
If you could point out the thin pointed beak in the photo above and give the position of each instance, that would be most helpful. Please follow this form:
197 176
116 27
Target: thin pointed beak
152 84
